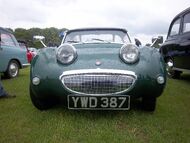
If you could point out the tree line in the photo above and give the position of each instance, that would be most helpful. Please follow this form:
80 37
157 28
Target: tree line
52 35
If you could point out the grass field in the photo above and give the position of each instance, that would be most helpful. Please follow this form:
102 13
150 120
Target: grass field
21 122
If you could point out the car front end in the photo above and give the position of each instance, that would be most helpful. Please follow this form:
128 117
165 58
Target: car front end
97 75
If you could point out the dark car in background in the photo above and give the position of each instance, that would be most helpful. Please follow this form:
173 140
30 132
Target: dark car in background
176 48
12 57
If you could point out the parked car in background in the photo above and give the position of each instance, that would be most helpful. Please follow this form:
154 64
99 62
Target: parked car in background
176 48
23 44
33 50
12 57
97 69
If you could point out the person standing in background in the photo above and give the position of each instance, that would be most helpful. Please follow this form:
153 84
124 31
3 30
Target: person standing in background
3 93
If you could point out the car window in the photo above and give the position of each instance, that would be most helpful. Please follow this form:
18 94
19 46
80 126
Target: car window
186 24
101 37
22 45
7 40
175 28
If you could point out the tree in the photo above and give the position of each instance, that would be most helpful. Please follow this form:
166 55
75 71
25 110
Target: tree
51 35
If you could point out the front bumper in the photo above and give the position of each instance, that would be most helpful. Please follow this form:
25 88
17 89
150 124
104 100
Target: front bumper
51 83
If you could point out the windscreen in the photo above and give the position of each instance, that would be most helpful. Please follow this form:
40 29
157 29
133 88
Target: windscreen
97 36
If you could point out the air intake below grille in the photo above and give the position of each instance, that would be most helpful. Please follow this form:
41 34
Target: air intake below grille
98 82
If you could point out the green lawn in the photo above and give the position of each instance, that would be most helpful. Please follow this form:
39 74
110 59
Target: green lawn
21 122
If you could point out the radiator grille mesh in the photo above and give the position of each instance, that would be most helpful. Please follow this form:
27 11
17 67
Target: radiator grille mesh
98 84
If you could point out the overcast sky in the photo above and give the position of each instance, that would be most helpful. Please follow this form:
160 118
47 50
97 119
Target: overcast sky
142 18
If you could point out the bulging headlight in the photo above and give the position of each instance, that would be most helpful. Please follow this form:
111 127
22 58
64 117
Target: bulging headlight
129 53
66 54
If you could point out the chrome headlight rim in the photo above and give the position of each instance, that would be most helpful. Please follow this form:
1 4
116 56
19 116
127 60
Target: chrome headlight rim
128 46
73 50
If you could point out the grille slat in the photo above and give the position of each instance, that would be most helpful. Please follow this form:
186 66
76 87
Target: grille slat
98 83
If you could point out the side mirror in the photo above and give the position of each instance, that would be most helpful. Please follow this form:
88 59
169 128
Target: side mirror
40 38
62 34
157 41
138 42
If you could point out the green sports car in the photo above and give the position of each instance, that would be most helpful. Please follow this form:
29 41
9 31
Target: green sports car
97 69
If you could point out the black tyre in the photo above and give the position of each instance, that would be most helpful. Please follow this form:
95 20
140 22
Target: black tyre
12 69
41 103
172 73
149 104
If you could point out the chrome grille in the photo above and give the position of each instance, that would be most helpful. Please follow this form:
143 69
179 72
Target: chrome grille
98 83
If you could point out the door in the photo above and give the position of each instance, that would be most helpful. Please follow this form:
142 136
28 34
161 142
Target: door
170 47
184 45
7 46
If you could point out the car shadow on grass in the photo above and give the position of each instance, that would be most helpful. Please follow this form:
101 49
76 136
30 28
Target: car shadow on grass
3 77
136 108
185 77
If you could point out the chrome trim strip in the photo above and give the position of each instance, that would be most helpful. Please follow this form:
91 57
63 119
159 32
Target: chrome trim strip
106 71
98 71
26 65
179 69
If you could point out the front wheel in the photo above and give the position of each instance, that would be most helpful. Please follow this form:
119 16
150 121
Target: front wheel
149 104
12 69
41 103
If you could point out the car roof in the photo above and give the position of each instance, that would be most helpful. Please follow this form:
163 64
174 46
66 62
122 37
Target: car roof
5 30
183 12
91 29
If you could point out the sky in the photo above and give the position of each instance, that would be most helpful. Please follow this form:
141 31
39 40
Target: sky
143 19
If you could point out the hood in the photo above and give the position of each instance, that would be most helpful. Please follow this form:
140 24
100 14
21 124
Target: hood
88 55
